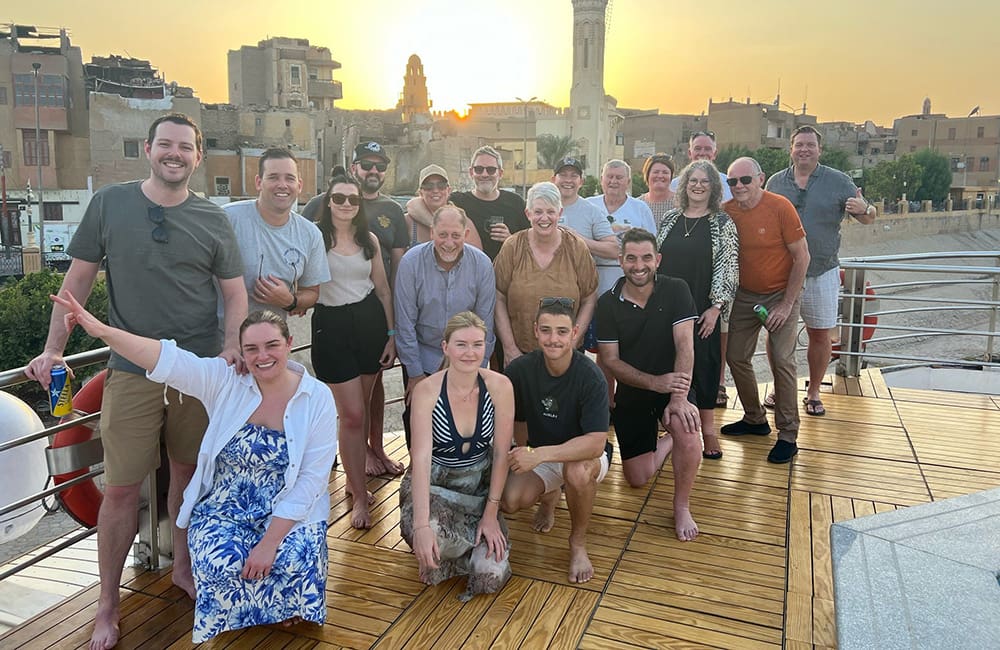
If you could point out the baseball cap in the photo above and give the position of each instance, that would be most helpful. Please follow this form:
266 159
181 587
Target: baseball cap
370 148
432 170
569 162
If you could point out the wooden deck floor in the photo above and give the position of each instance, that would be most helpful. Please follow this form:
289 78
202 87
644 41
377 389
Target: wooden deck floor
758 576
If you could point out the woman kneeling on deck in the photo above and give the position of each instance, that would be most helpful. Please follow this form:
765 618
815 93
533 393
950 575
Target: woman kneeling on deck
462 421
258 502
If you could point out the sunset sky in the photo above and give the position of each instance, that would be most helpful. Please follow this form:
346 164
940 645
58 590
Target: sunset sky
852 60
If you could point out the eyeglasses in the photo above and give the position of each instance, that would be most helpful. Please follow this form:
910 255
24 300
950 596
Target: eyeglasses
746 180
695 182
479 169
157 214
800 198
710 134
562 302
368 164
611 219
434 185
338 198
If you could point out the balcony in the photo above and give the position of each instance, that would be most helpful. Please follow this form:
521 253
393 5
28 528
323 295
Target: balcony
326 89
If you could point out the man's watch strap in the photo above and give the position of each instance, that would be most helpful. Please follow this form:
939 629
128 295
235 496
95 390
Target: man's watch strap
295 303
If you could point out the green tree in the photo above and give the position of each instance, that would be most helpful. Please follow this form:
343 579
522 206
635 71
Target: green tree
638 184
553 148
936 179
727 155
836 158
890 180
771 161
589 187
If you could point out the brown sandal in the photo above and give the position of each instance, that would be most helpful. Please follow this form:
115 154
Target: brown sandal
721 399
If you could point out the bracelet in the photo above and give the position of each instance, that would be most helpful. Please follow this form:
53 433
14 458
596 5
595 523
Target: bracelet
492 500
418 528
295 303
391 332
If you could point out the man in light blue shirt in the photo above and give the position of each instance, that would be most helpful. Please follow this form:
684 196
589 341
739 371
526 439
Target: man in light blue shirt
435 281
702 146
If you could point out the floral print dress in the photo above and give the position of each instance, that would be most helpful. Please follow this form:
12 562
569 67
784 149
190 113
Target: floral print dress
230 520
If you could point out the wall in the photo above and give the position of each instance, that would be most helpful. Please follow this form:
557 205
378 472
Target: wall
888 229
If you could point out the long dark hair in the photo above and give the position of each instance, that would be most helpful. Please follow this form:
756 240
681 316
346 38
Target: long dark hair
362 234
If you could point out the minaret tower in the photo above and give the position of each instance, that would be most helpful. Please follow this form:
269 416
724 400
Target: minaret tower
413 100
586 97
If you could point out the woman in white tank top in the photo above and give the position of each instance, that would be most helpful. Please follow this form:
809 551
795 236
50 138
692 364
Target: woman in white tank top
352 328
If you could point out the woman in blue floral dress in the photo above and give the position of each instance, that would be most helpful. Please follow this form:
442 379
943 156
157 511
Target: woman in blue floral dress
257 505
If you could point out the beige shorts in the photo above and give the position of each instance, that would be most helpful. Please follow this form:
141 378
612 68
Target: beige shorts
134 417
552 473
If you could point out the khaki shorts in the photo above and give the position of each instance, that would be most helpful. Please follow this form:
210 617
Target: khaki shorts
133 419
552 473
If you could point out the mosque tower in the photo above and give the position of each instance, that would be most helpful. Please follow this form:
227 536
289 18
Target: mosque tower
413 100
588 106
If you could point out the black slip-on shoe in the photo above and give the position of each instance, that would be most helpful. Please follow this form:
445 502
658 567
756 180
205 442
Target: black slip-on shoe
742 428
782 452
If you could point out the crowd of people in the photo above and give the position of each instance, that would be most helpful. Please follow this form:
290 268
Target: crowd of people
524 330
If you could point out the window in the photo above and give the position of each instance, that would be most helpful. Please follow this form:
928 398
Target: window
913 133
294 103
296 75
51 90
257 121
951 133
970 163
211 143
956 163
131 148
3 95
52 211
619 139
984 164
980 131
7 160
913 148
221 186
313 76
288 122
35 155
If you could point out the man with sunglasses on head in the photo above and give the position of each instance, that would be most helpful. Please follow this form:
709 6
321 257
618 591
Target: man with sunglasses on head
822 196
773 261
284 260
168 254
561 431
702 146
495 213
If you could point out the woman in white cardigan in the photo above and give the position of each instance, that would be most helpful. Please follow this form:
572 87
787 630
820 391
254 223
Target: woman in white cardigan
257 505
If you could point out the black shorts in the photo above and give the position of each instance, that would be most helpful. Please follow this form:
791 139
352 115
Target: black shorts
348 340
635 418
707 366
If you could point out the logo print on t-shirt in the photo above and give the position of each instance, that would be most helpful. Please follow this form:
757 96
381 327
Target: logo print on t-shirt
550 407
384 221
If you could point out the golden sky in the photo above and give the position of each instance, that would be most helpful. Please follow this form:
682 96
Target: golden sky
851 60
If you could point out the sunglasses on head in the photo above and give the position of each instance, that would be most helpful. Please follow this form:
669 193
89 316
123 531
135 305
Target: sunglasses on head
710 134
746 180
434 185
157 214
368 164
338 198
490 170
562 302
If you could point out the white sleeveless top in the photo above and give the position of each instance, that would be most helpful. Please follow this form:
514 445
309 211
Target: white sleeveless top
350 279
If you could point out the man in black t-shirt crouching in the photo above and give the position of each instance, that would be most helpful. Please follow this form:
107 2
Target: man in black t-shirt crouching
561 429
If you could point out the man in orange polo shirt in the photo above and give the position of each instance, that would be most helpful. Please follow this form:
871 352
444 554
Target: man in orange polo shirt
774 257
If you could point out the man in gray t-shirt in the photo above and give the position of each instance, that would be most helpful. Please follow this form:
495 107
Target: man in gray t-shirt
284 260
821 195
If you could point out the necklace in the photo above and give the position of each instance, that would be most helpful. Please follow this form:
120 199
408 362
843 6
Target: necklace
688 231
472 390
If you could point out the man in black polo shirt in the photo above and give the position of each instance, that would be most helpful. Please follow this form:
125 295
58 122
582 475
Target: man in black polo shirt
653 371
561 429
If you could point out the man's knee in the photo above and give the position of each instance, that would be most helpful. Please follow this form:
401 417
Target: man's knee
579 474
819 336
121 497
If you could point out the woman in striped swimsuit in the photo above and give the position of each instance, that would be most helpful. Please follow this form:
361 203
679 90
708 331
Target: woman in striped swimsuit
462 423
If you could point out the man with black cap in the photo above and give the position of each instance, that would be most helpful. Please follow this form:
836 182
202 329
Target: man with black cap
585 219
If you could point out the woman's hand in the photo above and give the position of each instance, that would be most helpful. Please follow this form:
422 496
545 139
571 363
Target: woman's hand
388 353
77 315
425 547
489 530
707 321
258 564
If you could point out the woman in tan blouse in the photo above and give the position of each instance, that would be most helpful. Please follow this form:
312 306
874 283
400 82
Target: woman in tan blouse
544 261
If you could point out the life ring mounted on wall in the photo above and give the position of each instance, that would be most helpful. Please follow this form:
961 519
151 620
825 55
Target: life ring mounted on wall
869 321
83 500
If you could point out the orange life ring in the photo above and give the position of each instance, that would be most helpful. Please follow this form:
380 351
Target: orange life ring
868 331
83 500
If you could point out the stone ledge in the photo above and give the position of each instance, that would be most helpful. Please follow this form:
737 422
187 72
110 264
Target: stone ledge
921 577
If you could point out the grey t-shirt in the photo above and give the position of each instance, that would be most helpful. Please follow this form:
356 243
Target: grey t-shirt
293 252
589 222
161 290
821 207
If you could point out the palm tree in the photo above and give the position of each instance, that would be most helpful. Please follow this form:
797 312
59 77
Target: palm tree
553 148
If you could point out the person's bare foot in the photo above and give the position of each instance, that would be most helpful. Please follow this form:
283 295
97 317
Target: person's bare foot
545 515
360 517
373 465
105 634
713 450
684 525
295 620
580 568
371 497
184 580
391 466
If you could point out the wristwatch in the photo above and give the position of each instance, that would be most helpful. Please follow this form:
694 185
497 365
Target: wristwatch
295 303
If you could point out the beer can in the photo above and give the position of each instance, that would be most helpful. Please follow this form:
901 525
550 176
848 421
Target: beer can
761 312
60 392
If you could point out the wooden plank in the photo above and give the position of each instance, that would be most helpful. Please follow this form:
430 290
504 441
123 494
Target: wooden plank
577 619
524 615
799 545
498 614
824 623
822 516
799 617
